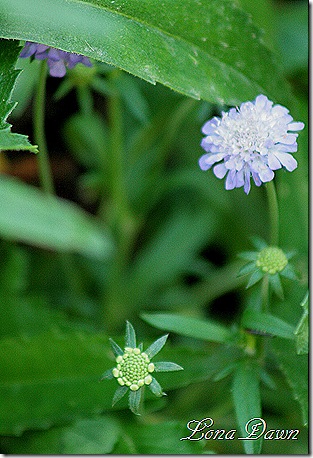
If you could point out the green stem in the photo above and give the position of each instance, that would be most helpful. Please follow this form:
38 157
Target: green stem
273 212
117 212
45 174
84 98
265 293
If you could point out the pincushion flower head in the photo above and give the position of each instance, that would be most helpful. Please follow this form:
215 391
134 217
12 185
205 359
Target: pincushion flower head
250 141
269 260
57 60
134 369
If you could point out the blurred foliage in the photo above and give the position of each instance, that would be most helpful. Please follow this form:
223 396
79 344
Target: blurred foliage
137 232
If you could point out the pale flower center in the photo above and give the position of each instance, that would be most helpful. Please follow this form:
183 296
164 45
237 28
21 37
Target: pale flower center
133 369
271 260
244 135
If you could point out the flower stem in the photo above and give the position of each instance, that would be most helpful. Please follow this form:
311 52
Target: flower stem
273 212
116 211
45 174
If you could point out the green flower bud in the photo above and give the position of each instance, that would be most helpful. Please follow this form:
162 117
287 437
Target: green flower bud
133 369
271 260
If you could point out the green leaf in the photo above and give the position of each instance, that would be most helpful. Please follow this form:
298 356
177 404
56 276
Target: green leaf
296 371
187 326
116 348
267 323
255 278
30 216
15 142
247 269
60 371
119 393
83 437
135 400
90 437
130 337
156 346
158 439
247 400
166 366
156 388
9 52
181 45
302 329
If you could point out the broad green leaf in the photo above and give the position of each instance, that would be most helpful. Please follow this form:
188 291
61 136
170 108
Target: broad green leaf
197 48
188 326
9 51
167 255
247 401
295 369
30 216
90 437
93 436
53 378
267 323
293 34
158 439
302 329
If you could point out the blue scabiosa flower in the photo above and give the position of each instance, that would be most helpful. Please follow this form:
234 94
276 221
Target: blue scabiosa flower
57 60
134 369
250 141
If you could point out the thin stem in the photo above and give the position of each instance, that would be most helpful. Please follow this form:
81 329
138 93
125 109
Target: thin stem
117 212
84 98
265 293
273 212
45 174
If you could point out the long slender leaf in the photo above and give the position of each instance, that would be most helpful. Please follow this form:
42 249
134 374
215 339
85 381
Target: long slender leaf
265 322
30 216
247 400
296 371
187 326
194 47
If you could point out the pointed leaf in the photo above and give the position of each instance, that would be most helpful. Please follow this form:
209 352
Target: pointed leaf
130 336
267 323
135 400
289 272
302 329
108 375
9 52
187 326
248 255
247 269
296 371
156 346
116 348
276 285
119 393
255 277
181 45
28 215
156 388
247 400
164 366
